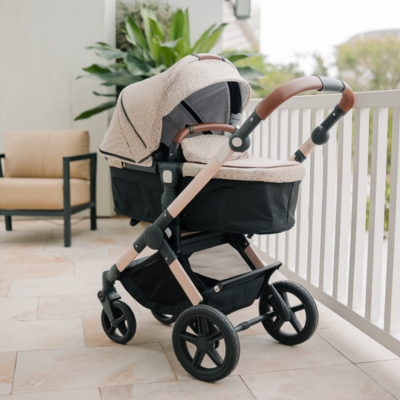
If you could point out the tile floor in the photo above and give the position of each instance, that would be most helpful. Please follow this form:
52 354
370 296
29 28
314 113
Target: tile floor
52 345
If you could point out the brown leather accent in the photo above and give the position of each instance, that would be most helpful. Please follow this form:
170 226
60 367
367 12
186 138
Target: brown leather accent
209 126
206 56
285 92
347 100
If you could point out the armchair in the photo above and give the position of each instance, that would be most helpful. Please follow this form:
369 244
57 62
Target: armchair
48 173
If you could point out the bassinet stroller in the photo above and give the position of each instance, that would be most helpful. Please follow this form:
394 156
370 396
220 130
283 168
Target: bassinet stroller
173 168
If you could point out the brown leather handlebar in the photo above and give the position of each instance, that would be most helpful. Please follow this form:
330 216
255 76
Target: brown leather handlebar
296 86
207 56
347 100
279 95
209 126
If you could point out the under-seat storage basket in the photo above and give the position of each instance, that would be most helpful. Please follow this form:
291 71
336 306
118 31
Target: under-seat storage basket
223 205
150 282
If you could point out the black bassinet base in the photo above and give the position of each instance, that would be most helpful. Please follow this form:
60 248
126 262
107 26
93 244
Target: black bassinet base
229 206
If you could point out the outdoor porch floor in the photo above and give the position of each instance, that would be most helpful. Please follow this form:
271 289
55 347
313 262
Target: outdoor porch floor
52 345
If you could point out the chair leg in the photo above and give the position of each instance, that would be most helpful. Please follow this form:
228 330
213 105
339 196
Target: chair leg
93 221
67 230
8 223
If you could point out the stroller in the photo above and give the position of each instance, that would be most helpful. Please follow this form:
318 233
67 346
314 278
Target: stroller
194 181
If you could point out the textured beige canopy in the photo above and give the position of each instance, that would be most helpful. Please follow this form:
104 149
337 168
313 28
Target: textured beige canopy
150 112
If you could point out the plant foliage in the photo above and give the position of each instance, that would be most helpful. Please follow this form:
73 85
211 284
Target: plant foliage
151 51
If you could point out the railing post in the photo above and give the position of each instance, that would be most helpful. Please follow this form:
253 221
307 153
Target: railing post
392 299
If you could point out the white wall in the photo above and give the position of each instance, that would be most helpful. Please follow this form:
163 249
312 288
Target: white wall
202 14
42 51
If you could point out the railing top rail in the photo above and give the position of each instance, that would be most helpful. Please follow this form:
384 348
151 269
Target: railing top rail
382 98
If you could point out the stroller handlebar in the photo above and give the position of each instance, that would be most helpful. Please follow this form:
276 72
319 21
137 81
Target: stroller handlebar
299 85
240 141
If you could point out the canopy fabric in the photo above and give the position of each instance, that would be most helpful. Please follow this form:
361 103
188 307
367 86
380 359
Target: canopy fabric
138 122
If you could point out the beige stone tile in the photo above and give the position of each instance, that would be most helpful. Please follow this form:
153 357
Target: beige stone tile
22 309
54 287
230 388
92 269
385 373
66 369
356 345
329 319
148 330
33 335
23 239
7 368
4 286
64 307
328 383
37 270
261 353
79 394
180 373
79 251
79 238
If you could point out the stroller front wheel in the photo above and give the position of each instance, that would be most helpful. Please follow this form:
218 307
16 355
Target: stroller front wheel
123 328
205 343
304 314
165 319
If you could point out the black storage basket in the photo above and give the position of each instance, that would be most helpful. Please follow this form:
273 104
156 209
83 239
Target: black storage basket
150 282
222 205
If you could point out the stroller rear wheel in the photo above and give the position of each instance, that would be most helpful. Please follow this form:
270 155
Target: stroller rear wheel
304 314
123 328
164 318
197 334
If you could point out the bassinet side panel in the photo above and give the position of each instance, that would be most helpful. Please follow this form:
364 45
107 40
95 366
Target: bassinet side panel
222 206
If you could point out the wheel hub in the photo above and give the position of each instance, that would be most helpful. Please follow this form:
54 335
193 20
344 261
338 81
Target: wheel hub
201 343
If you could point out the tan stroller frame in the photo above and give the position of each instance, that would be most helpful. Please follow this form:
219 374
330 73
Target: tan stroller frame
154 237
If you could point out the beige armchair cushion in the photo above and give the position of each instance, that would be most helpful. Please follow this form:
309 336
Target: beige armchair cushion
38 154
40 193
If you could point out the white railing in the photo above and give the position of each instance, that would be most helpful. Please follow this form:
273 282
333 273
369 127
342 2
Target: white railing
353 271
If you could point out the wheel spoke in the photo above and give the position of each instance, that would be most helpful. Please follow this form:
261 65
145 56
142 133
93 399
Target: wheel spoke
122 328
111 330
198 358
122 318
215 356
296 323
214 337
297 308
277 324
203 326
189 337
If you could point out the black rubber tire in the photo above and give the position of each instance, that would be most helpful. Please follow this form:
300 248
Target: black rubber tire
165 319
274 326
126 323
212 328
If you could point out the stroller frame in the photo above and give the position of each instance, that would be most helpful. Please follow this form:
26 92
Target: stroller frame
164 236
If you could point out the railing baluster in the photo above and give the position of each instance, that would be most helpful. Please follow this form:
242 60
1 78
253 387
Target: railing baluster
340 271
273 154
283 133
328 213
392 300
376 214
303 200
314 235
359 194
290 246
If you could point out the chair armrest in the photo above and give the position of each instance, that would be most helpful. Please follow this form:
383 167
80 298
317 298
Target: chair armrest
1 169
66 175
